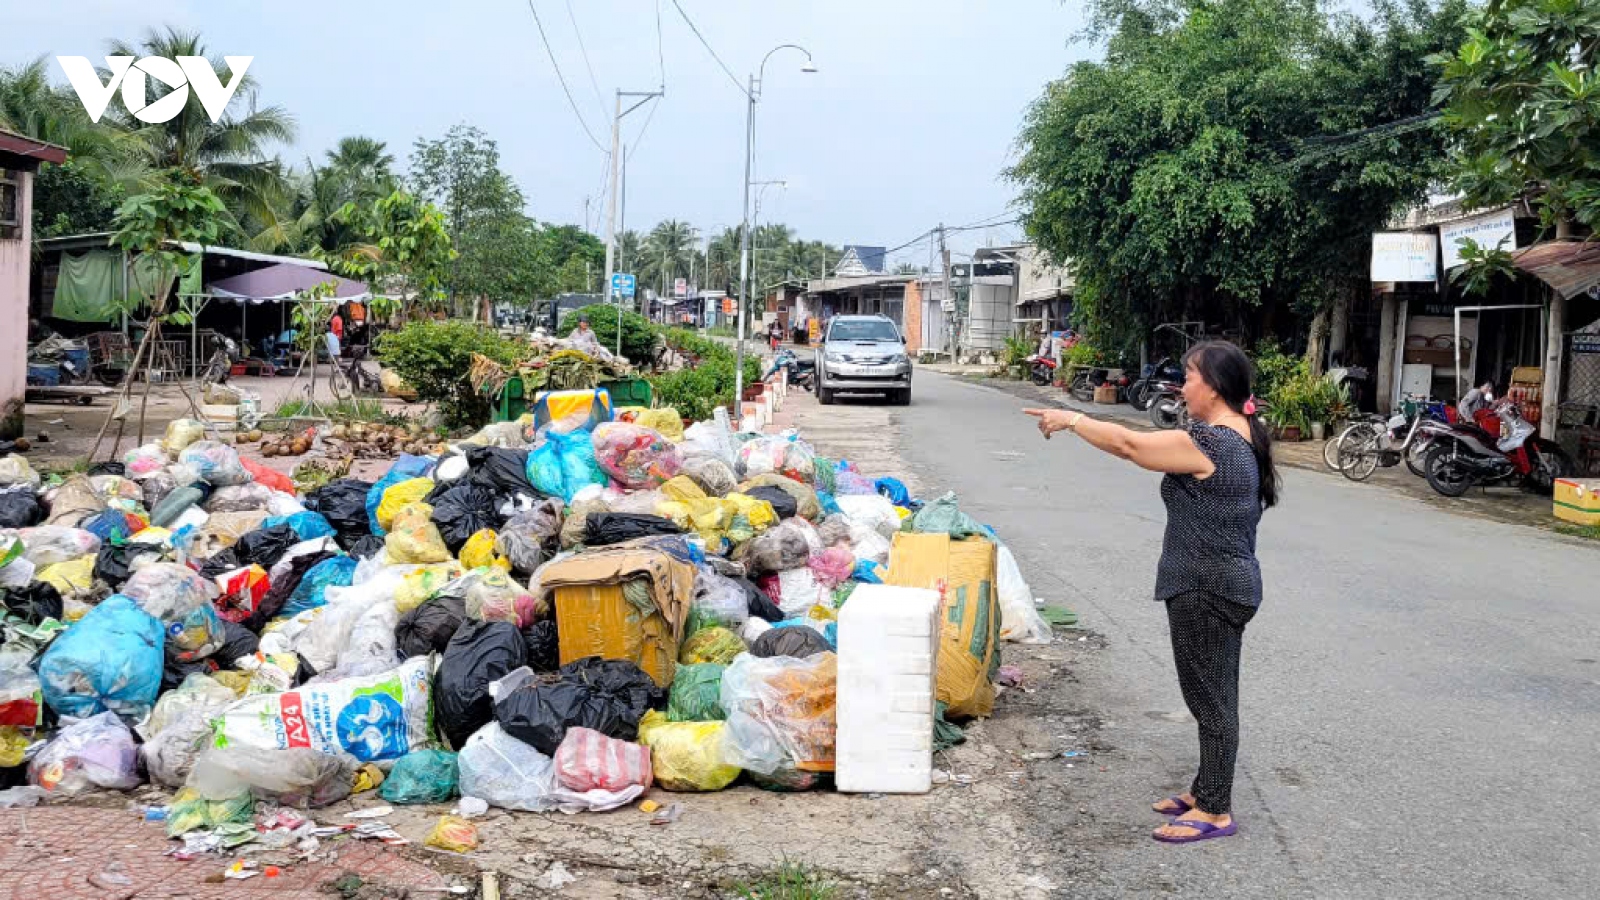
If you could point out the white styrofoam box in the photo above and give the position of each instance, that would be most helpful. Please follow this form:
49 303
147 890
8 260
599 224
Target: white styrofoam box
888 660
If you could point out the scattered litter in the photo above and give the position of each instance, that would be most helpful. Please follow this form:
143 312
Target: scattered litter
555 878
371 812
667 815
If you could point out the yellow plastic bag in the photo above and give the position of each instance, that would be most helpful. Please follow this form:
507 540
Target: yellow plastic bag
180 434
682 489
478 551
664 421
13 747
419 585
686 756
73 578
711 645
400 495
414 538
453 833
152 535
758 512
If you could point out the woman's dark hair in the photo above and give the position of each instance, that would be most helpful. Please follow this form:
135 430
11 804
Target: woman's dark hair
1228 371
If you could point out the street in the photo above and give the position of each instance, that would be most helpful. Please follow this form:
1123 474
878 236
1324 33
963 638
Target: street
1421 697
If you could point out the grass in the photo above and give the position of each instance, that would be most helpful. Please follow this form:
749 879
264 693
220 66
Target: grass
790 881
1592 532
362 409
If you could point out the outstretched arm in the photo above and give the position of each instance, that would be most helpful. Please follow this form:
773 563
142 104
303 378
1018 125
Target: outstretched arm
1172 452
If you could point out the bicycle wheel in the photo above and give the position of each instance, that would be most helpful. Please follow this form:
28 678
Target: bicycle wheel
1330 450
1417 455
1358 454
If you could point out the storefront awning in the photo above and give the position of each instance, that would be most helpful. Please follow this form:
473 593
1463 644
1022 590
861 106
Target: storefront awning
1571 268
284 281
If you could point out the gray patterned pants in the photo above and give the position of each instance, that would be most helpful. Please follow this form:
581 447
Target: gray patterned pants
1207 632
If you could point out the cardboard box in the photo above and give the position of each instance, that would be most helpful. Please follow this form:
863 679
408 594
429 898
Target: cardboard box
963 572
1577 500
1105 393
597 620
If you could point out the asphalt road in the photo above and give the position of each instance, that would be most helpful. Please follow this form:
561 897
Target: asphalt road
1421 697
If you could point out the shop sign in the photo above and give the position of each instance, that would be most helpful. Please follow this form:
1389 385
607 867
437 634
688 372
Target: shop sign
1405 256
1496 229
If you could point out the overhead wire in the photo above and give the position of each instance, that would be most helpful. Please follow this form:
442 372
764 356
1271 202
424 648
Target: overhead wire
661 53
578 32
706 44
563 80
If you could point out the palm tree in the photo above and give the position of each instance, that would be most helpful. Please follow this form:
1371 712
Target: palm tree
229 155
359 170
669 249
364 165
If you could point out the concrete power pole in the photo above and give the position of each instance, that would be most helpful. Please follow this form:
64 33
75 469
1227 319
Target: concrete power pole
949 298
616 177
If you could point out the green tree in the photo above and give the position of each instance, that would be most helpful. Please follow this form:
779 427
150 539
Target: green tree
403 249
668 250
1521 98
359 170
1228 159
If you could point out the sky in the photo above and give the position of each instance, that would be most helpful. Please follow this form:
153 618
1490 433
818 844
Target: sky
909 121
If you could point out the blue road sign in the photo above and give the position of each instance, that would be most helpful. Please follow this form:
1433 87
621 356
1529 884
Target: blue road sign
622 284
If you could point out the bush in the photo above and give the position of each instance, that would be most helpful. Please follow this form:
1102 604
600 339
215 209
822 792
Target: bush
638 335
696 392
1274 368
433 357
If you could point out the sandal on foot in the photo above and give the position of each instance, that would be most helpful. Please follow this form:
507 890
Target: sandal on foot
1178 806
1204 831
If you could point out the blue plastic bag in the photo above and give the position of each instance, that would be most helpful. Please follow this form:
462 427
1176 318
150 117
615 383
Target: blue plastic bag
110 660
422 776
111 526
312 590
308 526
895 490
830 506
407 467
564 464
868 572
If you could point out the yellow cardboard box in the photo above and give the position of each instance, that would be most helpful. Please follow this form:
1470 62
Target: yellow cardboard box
1578 500
597 620
963 572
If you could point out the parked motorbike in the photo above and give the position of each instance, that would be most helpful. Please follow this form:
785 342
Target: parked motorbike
1361 451
802 372
1168 409
1499 447
1042 369
1165 375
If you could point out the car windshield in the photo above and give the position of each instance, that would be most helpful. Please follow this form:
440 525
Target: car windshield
863 330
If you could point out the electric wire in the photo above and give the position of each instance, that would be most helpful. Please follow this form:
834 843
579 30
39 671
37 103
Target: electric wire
706 44
563 80
593 83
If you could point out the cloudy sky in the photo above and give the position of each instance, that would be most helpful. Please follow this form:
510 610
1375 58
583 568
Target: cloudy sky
908 122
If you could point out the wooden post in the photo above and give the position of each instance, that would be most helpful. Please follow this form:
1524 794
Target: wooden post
1555 337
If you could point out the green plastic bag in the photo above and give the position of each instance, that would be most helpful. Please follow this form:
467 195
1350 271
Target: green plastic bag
944 516
696 694
422 776
711 645
190 811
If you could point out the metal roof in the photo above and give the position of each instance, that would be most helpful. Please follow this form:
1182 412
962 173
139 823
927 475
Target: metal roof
1570 268
97 239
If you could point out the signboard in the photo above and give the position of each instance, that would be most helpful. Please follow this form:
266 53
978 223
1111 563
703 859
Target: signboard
727 306
1489 230
1405 256
680 287
622 284
813 330
1586 343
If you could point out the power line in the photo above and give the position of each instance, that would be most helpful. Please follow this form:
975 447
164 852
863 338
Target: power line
638 138
661 54
729 72
585 52
561 78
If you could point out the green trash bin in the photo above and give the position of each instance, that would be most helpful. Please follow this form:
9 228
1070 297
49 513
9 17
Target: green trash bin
628 392
512 401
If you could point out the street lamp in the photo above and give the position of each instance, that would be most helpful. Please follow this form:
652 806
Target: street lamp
754 95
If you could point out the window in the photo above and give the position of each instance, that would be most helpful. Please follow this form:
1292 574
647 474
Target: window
10 202
863 330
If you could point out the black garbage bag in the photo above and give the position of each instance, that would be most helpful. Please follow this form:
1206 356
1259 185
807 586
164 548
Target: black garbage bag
109 467
782 503
114 563
544 647
343 502
464 508
219 563
429 627
506 469
237 641
34 603
478 653
175 671
278 593
265 546
19 508
761 606
608 695
600 529
367 547
798 641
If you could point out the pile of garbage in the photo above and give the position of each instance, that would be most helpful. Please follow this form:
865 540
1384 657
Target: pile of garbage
553 626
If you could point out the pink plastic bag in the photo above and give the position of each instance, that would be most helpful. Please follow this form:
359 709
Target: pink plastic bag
636 458
588 760
832 566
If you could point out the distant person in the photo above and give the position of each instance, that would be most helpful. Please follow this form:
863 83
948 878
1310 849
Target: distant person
775 336
1479 398
583 337
1219 479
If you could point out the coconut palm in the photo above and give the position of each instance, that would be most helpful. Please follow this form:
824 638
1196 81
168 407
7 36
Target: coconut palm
668 250
358 170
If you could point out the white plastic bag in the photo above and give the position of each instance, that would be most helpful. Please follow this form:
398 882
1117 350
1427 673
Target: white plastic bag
97 752
800 591
14 469
1019 618
781 711
379 717
872 510
50 544
281 504
505 772
370 648
718 600
295 776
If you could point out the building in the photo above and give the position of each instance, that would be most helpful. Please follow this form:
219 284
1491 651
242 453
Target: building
19 160
856 260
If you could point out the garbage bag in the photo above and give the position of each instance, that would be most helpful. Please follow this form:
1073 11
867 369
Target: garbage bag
343 502
49 544
478 653
422 776
144 461
712 475
663 419
429 627
711 645
759 604
687 756
108 660
70 503
376 717
605 528
14 470
781 708
425 582
272 478
490 595
181 599
635 457
19 508
414 538
248 497
608 695
307 525
237 641
224 530
590 761
543 645
398 496
633 502
784 454
367 547
465 508
114 525
782 547
375 497
18 572
894 490
215 462
575 526
807 506
799 641
564 464
1019 617
528 538
33 604
300 777
189 811
180 434
944 515
240 591
478 552
283 587
311 592
784 505
196 692
507 469
871 510
115 563
832 566
696 694
21 705
505 772
798 591
97 752
718 601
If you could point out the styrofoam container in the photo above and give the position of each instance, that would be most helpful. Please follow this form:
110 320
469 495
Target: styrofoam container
888 660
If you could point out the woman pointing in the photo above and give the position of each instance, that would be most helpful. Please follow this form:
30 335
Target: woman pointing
1219 479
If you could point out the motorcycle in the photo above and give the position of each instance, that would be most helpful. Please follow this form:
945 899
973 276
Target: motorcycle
1361 451
1042 369
1166 374
802 372
1498 447
1169 410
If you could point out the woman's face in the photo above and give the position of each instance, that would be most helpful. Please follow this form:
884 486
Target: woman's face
1201 397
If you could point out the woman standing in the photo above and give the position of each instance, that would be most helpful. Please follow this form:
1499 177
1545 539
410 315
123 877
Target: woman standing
1219 478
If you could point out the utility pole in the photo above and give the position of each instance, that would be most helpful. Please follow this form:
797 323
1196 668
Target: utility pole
949 298
616 177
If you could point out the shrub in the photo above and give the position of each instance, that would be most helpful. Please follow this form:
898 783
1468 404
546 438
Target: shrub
433 357
638 335
1274 368
696 392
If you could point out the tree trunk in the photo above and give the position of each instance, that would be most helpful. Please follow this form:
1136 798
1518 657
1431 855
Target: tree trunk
1317 344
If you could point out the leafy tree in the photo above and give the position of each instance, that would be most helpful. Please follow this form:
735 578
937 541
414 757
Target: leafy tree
71 199
433 358
1521 98
668 250
403 247
1229 159
574 277
358 170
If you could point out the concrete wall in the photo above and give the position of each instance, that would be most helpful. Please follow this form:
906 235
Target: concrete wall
15 253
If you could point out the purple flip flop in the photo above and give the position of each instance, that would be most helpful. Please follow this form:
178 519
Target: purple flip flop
1177 799
1205 831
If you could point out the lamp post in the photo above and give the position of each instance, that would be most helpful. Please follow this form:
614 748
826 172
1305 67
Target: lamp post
754 95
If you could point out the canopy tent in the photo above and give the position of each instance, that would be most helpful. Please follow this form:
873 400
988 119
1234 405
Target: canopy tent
284 281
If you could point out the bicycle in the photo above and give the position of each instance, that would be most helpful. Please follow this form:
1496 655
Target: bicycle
1362 423
1361 453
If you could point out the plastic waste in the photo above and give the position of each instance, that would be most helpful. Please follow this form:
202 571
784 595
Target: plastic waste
784 454
225 530
604 528
637 458
180 727
70 503
696 693
1019 617
398 496
307 525
832 566
370 648
477 654
424 582
424 776
491 595
607 695
144 461
506 772
215 462
414 538
564 464
711 645
543 644
711 474
180 434
109 660
944 515
343 502
114 525
871 510
529 537
589 761
718 601
799 591
247 497
272 478
300 777
454 834
781 709
429 627
799 641
687 756
73 580
33 604
14 470
95 752
464 508
190 811
376 717
788 545
312 589
19 508
664 420
479 552
181 599
49 544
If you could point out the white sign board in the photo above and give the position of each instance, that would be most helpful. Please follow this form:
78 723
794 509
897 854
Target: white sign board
1488 230
680 287
1405 256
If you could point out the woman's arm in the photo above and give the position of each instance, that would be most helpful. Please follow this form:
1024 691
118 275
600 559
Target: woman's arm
1172 452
